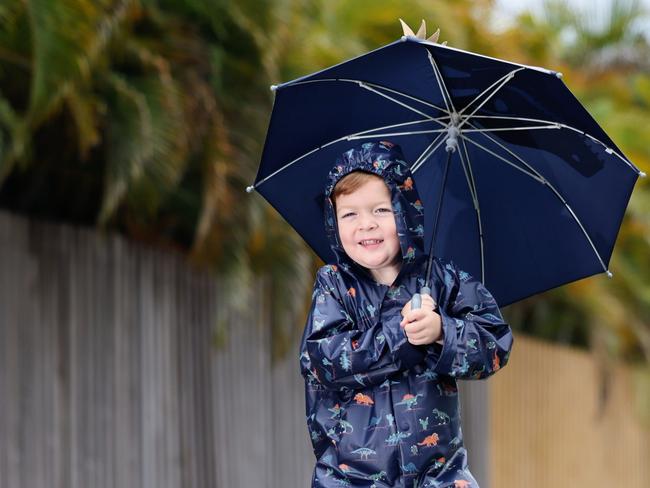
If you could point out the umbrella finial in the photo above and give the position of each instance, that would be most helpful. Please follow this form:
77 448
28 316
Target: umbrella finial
422 32
434 37
407 30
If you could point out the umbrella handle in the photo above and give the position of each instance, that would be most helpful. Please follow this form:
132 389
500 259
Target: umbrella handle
416 300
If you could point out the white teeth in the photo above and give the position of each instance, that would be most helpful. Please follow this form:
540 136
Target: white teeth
370 241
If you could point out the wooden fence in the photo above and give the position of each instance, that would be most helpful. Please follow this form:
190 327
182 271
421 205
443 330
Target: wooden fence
109 379
556 421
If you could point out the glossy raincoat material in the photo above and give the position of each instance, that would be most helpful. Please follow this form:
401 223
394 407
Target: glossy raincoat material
382 412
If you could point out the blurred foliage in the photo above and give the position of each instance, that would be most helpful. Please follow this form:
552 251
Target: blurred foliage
148 117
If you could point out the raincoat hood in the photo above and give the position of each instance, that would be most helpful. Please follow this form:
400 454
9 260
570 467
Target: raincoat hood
386 160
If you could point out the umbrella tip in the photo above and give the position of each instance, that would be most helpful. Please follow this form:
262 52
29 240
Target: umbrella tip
274 87
609 274
250 188
558 74
642 174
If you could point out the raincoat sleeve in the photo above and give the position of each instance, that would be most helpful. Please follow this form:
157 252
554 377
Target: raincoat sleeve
335 353
476 341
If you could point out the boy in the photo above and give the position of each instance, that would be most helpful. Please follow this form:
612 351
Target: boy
380 378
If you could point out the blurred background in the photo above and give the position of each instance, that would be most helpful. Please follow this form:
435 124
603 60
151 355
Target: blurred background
151 309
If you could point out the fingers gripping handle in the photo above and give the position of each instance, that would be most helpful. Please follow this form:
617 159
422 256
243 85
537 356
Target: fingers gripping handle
416 300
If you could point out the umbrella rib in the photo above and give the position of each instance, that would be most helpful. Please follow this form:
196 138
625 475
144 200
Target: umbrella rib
564 126
498 156
365 85
369 88
443 88
469 177
420 161
548 184
346 137
392 134
369 85
496 86
502 129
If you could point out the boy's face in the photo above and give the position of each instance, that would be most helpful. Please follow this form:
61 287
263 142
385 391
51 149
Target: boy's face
367 229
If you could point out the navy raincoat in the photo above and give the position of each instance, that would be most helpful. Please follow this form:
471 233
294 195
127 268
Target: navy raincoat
382 412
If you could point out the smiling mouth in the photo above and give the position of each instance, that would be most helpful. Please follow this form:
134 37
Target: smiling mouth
371 242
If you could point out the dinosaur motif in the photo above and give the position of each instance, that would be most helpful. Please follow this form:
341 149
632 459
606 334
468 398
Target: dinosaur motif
364 452
376 477
359 379
418 206
408 184
315 436
394 292
374 422
336 410
409 400
362 399
318 320
342 482
379 164
419 230
347 426
441 416
430 440
428 375
396 438
387 383
410 468
495 362
390 419
424 423
410 254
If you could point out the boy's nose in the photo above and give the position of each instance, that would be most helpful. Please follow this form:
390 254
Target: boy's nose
367 224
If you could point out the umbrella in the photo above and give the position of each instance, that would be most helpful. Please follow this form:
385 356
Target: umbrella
520 186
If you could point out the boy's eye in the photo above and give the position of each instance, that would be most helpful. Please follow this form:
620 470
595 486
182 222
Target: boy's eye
345 215
383 209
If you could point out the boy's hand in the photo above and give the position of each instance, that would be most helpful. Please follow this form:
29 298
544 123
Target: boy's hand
423 325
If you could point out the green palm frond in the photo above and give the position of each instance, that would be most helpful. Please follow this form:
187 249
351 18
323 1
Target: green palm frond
146 142
67 38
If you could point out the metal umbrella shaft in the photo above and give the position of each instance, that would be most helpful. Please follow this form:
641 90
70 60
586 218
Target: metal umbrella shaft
416 300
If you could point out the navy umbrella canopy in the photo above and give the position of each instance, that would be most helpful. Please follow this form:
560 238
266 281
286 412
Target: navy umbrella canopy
535 190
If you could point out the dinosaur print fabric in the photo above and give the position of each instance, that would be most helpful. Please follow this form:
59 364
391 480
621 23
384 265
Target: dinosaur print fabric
382 412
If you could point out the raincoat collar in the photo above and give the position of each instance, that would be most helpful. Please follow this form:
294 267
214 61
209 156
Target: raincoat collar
386 160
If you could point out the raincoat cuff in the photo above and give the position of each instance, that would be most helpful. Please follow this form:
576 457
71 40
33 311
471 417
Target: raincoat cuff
446 352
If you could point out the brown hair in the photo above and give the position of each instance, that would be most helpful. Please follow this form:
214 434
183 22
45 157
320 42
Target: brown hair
352 182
